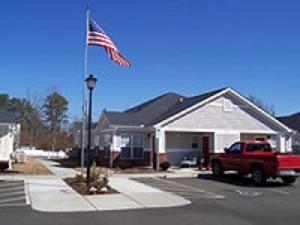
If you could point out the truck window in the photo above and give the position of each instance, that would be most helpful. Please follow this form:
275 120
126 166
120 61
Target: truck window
235 148
258 148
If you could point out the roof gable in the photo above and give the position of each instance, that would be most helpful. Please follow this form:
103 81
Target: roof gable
230 91
186 103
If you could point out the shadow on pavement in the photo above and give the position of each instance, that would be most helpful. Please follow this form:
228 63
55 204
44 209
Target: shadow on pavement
241 181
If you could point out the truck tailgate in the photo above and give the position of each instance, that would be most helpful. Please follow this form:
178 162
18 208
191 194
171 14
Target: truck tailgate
288 161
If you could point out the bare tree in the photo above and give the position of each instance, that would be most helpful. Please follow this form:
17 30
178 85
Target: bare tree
268 108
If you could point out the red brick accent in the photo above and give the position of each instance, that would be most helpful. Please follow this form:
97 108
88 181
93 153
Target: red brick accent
104 160
162 158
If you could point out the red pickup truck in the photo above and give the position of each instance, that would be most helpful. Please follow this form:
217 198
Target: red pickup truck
258 159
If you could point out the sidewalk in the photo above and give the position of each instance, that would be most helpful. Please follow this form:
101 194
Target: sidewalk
52 194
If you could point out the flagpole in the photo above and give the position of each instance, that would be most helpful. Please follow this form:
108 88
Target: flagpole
84 106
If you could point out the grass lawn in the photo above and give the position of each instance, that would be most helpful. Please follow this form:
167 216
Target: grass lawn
31 167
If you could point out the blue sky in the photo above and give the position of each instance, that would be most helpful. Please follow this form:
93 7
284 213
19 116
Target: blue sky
188 47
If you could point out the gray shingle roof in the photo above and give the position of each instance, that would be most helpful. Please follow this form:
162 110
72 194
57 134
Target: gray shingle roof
292 121
76 125
7 116
156 110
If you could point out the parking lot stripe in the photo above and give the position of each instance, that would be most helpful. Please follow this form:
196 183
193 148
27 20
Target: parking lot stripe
214 195
12 199
10 185
12 204
11 193
12 189
26 191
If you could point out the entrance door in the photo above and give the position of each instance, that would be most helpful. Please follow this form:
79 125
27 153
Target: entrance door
205 150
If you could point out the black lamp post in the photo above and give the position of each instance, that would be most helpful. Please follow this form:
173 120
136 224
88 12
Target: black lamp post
91 83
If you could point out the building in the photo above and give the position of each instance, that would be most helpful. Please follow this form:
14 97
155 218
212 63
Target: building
176 126
293 121
9 137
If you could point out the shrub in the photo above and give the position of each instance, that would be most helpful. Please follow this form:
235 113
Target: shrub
164 165
123 165
98 179
78 178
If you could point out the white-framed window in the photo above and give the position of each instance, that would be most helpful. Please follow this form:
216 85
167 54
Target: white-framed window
132 146
195 142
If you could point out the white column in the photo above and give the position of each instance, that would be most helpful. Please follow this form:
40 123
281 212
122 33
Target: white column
114 144
288 143
280 143
162 142
152 149
160 146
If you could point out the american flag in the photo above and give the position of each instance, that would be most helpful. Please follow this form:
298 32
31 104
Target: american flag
97 37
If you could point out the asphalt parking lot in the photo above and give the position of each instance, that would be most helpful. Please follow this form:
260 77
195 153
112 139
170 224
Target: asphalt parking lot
230 186
227 201
175 186
12 193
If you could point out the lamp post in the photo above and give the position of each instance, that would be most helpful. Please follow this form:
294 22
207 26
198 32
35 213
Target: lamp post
91 83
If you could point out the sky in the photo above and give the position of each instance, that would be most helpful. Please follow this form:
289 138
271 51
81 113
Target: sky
183 46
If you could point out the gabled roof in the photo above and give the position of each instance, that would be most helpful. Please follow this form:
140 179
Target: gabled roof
76 125
121 118
292 121
155 110
7 116
186 103
165 108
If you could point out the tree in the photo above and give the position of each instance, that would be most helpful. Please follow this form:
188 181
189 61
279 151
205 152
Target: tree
4 101
55 110
268 108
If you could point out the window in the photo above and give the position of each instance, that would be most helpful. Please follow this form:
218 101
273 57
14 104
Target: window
195 142
138 146
132 146
235 148
258 148
125 146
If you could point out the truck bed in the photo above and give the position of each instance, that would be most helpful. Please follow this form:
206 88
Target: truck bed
288 161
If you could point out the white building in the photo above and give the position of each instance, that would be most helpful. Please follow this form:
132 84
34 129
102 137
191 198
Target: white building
176 126
9 137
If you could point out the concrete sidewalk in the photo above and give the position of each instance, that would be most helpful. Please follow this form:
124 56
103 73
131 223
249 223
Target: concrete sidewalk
52 194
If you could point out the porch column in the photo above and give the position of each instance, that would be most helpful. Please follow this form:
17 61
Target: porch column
160 145
152 149
284 143
289 144
112 148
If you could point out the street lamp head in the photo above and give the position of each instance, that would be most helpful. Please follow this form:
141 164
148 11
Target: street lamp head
91 82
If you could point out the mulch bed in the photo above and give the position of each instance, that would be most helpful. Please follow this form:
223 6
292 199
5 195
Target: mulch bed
81 188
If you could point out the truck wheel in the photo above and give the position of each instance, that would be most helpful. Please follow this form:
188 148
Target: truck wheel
258 176
217 169
289 180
